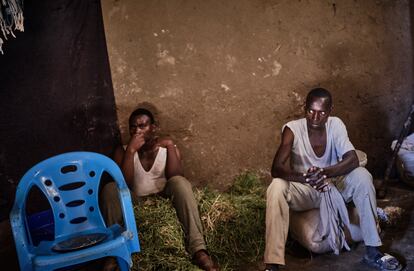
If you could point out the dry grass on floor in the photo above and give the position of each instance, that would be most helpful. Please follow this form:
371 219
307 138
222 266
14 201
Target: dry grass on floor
233 227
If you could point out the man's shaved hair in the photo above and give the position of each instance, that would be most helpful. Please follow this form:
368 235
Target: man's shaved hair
139 112
318 93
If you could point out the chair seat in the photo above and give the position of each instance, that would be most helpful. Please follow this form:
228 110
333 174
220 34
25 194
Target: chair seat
70 243
111 246
79 242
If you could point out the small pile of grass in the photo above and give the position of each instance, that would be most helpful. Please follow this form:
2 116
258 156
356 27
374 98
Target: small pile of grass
234 228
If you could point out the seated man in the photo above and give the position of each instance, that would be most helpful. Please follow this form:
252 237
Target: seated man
152 165
315 155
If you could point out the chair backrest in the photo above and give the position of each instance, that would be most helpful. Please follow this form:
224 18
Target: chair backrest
70 183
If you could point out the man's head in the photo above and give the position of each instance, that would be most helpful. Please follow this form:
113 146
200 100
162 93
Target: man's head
142 121
318 107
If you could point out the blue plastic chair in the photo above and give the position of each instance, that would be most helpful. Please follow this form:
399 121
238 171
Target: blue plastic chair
74 225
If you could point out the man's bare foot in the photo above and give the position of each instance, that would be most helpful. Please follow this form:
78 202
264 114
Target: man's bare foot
204 261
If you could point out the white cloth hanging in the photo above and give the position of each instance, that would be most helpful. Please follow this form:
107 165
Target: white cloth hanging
11 19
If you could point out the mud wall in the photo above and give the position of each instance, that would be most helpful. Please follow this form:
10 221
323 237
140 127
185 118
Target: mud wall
224 76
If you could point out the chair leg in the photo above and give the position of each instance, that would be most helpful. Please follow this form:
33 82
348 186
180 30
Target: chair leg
123 265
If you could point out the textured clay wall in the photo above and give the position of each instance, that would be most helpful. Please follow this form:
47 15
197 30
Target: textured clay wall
224 76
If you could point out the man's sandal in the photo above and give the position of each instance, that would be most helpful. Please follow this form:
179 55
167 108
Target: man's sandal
384 263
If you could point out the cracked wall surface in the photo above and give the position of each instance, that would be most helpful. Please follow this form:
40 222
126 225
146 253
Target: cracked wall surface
224 76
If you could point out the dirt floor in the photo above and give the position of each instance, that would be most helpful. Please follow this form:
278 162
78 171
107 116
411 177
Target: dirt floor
398 239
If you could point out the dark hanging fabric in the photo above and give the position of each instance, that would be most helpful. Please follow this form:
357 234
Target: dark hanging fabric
56 91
